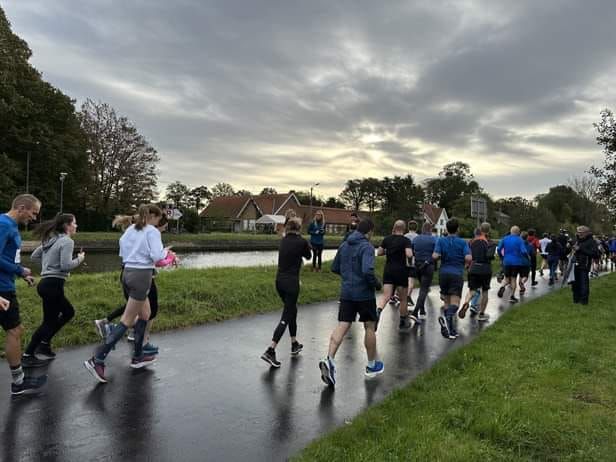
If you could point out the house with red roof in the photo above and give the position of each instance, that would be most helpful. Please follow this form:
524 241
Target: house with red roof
436 216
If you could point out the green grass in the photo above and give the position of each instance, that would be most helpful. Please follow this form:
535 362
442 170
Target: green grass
538 385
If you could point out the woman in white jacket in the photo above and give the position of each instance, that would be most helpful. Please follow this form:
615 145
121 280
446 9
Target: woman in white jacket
141 247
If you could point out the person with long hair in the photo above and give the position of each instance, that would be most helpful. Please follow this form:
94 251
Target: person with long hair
56 256
317 241
293 248
141 247
104 325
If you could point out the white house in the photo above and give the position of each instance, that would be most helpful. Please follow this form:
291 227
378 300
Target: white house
436 216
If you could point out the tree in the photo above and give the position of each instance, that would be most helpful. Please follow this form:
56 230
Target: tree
122 163
453 181
523 213
304 198
243 192
606 175
586 186
222 190
179 193
401 196
199 196
372 192
334 203
353 194
268 190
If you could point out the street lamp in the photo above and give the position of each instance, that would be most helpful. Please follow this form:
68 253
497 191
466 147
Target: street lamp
311 187
62 177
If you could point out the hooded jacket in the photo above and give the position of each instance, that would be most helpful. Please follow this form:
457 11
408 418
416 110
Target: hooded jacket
586 251
354 262
56 257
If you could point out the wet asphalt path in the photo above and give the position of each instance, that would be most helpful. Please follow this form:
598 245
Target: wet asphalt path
210 397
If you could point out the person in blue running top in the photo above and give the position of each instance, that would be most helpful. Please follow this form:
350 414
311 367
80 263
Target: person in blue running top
515 258
317 240
423 248
140 248
24 209
454 254
354 262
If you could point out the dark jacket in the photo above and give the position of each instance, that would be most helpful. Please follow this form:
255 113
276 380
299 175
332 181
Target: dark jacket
292 249
316 231
585 251
354 262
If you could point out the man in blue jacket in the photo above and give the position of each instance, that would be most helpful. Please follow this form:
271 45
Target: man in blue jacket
354 262
515 258
24 209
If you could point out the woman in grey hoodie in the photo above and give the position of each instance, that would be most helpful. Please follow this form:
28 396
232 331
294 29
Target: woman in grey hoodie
56 256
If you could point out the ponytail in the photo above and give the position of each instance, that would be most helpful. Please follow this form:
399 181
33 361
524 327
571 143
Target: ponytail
54 226
123 221
143 213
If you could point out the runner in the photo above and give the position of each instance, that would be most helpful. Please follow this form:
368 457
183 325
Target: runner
104 326
317 232
454 254
480 271
586 250
525 269
411 235
532 239
612 244
543 243
293 248
354 262
515 256
565 243
56 256
397 250
140 248
554 250
423 248
24 209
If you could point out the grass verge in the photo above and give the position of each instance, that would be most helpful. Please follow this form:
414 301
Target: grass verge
538 385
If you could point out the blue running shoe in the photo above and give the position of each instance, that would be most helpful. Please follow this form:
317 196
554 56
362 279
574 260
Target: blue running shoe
378 369
328 372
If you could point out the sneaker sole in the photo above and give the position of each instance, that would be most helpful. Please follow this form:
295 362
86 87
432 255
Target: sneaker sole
295 353
268 361
46 357
444 328
92 371
462 312
325 374
371 375
142 365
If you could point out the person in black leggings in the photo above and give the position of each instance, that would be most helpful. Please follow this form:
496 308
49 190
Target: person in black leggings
293 248
56 256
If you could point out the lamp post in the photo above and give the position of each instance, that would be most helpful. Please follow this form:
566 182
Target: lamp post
311 187
62 177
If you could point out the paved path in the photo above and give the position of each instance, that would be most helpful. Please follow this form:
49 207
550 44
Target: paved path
210 397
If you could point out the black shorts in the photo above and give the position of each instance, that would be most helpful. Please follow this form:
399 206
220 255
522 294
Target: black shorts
397 278
10 319
479 281
451 284
349 309
412 271
524 270
512 271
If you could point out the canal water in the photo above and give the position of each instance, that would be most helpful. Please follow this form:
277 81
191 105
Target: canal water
102 262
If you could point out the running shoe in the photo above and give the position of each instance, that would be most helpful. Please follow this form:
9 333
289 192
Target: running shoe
501 292
378 318
414 317
463 310
512 299
422 315
474 311
270 357
131 335
392 300
483 317
96 369
541 273
31 361
28 386
444 329
143 361
522 287
102 327
296 347
405 323
410 301
150 349
328 371
375 370
534 283
44 350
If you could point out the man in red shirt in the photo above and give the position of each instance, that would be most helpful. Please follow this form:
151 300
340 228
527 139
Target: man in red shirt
532 239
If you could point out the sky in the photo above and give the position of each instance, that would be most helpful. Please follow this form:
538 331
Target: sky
290 93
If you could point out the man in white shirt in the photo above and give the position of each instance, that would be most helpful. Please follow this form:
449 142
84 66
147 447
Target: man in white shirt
411 235
543 244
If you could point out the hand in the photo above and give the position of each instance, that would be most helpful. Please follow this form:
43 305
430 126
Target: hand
30 281
4 304
81 256
25 272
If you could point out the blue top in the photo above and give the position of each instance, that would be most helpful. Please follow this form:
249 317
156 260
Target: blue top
452 250
531 249
10 243
423 247
316 231
612 244
354 262
514 251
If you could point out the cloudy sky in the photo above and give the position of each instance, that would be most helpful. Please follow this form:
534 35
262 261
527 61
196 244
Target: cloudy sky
287 93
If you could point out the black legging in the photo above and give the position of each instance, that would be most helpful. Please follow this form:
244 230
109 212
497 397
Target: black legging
533 268
57 311
317 250
288 290
424 274
152 297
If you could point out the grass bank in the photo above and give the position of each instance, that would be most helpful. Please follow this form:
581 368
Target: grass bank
538 385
